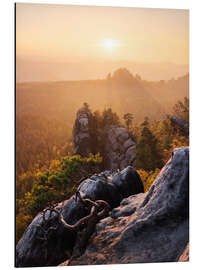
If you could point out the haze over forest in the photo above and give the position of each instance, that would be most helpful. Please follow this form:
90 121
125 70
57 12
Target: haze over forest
128 68
120 91
37 70
132 60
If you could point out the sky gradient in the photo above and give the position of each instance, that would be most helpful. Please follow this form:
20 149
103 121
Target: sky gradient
55 34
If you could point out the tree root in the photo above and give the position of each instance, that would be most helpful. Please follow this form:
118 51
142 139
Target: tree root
84 227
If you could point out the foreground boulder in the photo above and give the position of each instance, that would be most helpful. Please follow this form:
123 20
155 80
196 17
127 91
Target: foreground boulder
40 246
150 227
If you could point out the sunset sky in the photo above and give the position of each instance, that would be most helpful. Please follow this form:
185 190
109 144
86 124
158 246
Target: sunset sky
55 34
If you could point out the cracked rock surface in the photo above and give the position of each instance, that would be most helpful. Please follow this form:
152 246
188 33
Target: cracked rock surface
81 134
32 250
147 227
141 227
120 149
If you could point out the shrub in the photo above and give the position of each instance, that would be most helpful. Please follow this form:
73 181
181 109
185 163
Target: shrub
148 177
54 185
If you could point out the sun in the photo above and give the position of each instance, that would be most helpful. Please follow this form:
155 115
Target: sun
110 44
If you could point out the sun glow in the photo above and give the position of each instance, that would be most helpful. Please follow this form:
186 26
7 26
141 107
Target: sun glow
110 44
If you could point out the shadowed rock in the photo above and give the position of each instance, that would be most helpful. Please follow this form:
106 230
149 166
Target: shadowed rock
81 134
34 250
150 227
180 125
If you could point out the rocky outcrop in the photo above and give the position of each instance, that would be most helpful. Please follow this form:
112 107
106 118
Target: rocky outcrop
81 133
150 227
40 246
141 227
180 125
120 150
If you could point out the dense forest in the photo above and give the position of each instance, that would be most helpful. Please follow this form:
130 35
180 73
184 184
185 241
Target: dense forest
46 169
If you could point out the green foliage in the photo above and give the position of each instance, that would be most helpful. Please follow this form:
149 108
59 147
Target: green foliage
148 177
181 109
45 174
128 117
53 185
24 183
145 123
39 140
59 182
157 139
110 118
97 124
148 156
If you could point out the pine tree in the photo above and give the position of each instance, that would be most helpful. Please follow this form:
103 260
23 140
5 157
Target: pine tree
148 155
128 117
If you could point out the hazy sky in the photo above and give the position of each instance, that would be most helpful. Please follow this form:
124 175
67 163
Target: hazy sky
64 33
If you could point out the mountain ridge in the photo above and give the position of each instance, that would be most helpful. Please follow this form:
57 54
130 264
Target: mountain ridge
140 97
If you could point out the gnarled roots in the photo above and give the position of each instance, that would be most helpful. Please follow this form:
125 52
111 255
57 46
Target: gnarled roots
84 227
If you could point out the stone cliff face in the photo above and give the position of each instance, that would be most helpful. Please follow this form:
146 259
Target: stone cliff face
141 227
81 134
180 125
42 247
119 149
147 227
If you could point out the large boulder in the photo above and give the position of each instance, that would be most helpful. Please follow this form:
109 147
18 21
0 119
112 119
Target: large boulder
119 149
38 248
81 135
150 227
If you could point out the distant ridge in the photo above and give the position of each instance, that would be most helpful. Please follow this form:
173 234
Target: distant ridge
27 71
121 91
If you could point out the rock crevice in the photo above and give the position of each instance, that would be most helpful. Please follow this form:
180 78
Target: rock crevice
150 227
118 151
81 134
33 250
141 227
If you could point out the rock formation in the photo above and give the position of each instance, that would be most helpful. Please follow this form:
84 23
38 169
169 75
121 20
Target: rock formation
141 227
81 134
181 125
119 150
42 247
149 227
